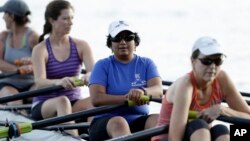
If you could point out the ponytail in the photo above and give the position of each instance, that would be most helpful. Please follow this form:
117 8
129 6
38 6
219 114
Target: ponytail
47 28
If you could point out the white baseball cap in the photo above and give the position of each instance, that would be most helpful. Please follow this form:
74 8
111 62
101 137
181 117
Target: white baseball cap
117 26
208 46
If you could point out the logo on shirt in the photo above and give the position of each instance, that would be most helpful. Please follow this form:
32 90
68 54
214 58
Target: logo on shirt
138 81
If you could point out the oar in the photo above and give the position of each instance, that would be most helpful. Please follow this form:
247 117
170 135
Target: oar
8 74
16 107
28 127
168 83
37 92
63 127
143 134
232 120
22 72
159 100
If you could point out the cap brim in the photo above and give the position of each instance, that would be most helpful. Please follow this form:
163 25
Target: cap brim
120 29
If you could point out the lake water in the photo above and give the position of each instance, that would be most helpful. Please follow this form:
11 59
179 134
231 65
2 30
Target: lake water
168 29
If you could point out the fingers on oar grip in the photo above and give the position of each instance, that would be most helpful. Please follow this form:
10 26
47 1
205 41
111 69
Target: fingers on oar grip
22 71
144 97
24 61
78 82
192 114
18 62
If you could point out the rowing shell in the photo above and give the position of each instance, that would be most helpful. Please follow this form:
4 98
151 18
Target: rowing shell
35 135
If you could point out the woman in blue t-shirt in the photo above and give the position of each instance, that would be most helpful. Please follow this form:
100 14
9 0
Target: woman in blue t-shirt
120 77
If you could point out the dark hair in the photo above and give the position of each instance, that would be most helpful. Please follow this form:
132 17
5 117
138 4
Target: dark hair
20 20
53 10
137 40
195 54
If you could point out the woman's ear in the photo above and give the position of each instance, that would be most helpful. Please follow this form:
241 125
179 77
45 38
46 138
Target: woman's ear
192 61
51 21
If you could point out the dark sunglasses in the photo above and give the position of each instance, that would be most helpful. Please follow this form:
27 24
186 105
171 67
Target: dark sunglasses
126 38
209 61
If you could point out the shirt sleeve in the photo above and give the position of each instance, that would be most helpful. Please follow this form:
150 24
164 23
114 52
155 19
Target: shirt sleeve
99 73
152 70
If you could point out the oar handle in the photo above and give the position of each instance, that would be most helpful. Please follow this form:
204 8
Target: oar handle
78 82
192 114
144 98
14 130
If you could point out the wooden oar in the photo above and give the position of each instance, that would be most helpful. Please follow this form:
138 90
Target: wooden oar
168 83
28 127
37 92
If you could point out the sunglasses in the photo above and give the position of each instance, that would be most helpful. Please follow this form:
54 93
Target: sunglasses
126 38
209 61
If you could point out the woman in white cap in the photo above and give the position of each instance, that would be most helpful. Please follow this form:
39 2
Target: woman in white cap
16 43
120 77
202 90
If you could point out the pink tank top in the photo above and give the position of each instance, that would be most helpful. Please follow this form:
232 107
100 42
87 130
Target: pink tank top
166 108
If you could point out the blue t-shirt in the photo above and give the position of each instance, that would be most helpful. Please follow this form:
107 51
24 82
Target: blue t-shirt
119 78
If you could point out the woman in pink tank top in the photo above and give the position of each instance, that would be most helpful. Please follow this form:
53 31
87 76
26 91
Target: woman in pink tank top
202 90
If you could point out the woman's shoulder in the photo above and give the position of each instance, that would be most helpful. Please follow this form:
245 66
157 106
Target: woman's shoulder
80 42
33 38
184 80
3 35
40 46
223 78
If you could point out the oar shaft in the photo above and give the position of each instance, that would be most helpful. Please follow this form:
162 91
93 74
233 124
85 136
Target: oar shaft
68 126
233 120
33 93
8 74
158 100
166 83
30 93
16 107
66 118
143 134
